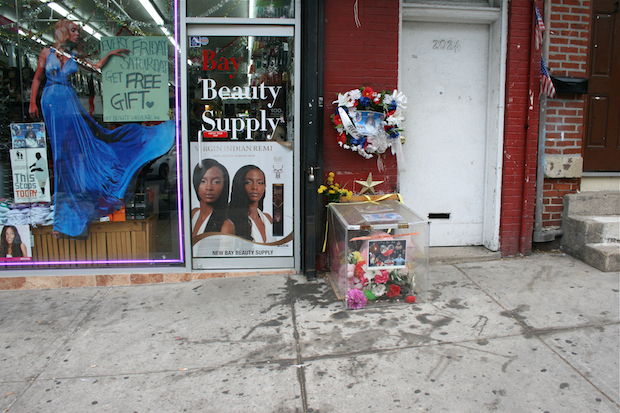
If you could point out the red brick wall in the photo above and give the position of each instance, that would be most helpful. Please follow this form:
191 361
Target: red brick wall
521 130
553 199
356 57
569 31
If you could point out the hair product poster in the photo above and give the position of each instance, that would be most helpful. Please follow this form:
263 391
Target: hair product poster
255 180
30 175
15 243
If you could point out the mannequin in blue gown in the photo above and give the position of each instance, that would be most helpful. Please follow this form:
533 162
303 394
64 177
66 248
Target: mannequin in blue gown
94 168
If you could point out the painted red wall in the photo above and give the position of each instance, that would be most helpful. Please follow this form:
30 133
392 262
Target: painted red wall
521 132
354 57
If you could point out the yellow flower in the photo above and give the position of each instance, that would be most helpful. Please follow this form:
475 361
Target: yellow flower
331 174
331 191
357 255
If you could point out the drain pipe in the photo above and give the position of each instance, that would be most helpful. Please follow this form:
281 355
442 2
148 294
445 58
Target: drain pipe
539 234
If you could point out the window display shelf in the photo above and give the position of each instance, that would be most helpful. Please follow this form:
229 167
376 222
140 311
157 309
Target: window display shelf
378 252
124 240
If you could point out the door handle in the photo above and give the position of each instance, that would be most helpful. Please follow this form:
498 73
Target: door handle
311 172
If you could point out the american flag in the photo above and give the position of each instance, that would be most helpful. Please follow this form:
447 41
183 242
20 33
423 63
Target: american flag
546 85
539 29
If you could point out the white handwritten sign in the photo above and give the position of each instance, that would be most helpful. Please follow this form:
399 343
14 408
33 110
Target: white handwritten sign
135 87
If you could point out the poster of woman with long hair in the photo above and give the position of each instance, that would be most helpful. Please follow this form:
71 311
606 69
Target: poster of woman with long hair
260 206
15 243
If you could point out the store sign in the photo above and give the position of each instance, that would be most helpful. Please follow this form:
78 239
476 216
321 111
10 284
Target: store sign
225 64
254 170
241 127
135 87
30 175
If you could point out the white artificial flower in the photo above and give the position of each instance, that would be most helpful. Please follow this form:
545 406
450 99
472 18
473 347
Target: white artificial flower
378 289
341 101
395 118
399 98
355 93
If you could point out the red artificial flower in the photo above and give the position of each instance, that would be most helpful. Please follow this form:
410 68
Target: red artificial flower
359 271
342 138
367 92
382 278
410 299
337 120
393 291
390 113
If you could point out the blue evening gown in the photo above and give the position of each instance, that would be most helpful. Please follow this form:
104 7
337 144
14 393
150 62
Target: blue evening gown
95 169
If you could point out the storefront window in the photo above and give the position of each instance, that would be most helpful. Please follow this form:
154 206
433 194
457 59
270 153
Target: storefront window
88 134
275 9
241 97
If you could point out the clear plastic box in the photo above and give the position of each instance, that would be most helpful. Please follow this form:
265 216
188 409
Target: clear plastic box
378 253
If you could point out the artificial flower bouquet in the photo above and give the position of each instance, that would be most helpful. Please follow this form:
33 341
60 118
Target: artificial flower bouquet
371 285
369 122
333 191
378 253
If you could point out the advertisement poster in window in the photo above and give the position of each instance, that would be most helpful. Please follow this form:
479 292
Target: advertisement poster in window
15 243
242 199
28 135
30 175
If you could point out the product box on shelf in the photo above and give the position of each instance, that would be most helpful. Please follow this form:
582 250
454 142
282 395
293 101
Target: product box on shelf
378 253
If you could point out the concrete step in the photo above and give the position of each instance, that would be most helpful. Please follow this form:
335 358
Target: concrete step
591 228
594 239
605 257
593 203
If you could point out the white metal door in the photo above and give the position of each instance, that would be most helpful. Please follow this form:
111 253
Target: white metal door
445 78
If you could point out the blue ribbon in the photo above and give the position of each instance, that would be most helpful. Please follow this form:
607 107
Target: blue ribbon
361 141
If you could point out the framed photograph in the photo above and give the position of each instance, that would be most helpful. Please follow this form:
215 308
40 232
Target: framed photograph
387 253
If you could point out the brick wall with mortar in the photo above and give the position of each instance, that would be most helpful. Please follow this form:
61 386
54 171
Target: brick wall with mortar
569 31
520 136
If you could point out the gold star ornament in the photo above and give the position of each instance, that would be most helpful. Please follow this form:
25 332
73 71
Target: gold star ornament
368 184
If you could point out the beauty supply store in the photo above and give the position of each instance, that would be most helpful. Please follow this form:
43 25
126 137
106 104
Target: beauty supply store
151 136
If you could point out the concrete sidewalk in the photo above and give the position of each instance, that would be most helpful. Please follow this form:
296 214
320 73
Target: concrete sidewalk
533 334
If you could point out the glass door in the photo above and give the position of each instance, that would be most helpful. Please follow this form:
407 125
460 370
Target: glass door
241 102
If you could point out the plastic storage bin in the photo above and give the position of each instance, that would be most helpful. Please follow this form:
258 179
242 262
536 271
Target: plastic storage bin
378 253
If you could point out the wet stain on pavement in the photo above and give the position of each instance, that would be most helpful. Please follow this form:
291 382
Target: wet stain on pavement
455 303
437 321
340 315
316 293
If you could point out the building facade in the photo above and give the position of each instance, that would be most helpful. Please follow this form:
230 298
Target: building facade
234 103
